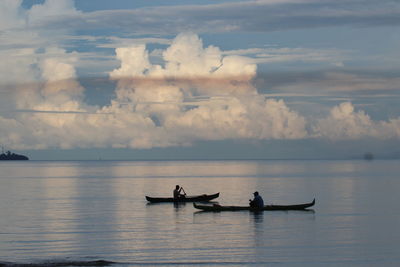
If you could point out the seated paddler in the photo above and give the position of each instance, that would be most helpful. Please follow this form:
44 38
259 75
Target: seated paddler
177 192
257 202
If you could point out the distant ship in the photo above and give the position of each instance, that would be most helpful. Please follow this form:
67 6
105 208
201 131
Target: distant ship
12 156
368 156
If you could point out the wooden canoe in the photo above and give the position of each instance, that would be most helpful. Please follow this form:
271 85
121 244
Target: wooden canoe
199 198
217 207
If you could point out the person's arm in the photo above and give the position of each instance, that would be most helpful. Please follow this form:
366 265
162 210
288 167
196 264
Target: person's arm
184 193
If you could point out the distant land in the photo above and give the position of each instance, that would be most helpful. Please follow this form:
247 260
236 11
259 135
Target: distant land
12 156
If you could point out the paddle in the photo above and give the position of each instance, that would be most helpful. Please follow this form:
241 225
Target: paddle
183 191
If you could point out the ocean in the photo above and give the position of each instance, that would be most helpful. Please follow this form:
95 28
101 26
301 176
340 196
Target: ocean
84 213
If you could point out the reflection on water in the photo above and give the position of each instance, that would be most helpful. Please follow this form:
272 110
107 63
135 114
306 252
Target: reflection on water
97 210
178 205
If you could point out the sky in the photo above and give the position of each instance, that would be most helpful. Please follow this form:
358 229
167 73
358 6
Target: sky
212 79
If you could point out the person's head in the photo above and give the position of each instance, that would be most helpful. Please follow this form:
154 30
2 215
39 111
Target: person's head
177 186
255 193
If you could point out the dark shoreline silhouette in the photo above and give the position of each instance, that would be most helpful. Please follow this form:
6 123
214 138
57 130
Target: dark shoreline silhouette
12 156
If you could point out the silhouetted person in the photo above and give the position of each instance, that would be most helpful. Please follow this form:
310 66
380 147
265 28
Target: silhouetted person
177 192
257 202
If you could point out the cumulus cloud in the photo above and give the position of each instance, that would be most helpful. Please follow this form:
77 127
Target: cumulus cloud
190 93
344 123
190 65
21 40
196 93
191 70
155 104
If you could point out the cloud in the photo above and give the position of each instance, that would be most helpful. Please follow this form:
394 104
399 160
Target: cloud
50 11
9 14
181 91
345 123
150 108
26 32
188 66
114 41
339 81
332 83
254 16
273 55
195 94
191 70
21 41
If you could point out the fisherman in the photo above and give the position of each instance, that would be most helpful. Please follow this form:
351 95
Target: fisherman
177 192
257 202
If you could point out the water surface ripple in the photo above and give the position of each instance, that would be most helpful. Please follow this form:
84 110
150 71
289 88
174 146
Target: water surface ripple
93 213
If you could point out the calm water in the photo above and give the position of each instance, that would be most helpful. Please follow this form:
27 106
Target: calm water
77 212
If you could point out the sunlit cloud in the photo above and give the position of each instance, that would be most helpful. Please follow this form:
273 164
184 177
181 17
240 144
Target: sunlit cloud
197 94
176 91
344 122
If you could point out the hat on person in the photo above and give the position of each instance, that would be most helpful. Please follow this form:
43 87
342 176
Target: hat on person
255 193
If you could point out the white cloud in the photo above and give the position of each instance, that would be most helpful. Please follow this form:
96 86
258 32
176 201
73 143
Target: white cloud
190 70
50 11
10 14
16 65
153 104
345 123
186 61
134 61
20 39
149 109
